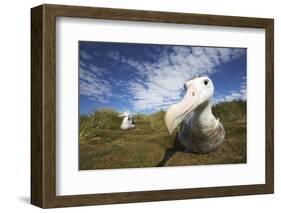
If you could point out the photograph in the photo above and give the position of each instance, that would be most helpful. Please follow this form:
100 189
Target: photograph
140 105
157 105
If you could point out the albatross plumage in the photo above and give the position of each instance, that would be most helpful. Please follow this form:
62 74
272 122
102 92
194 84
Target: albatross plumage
128 121
200 131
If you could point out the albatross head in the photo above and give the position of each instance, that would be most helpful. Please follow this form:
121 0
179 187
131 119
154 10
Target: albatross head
199 91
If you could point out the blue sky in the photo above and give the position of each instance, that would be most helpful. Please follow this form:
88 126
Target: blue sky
144 78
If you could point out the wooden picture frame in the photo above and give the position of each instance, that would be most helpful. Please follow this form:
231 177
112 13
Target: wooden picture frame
43 105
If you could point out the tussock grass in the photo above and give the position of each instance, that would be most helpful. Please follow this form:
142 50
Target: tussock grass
104 145
234 111
91 126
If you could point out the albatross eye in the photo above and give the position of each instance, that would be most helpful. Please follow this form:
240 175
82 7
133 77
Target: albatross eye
206 82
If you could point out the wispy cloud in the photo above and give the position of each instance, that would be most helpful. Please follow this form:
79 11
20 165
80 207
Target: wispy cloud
94 87
240 94
164 79
84 55
157 74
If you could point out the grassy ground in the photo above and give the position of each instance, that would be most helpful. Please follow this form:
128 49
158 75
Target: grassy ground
104 145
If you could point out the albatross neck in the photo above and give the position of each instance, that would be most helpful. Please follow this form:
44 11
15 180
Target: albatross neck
203 116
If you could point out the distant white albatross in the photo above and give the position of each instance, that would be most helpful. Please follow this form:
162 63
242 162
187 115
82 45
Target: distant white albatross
128 121
201 132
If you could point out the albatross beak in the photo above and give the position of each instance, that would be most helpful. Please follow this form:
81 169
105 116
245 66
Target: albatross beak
177 112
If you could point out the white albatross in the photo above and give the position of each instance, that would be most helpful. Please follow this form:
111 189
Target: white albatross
201 132
128 121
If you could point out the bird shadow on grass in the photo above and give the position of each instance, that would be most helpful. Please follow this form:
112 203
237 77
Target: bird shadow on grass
177 147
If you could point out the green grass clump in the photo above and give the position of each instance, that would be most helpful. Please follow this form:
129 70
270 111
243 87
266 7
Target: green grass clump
103 145
103 119
234 111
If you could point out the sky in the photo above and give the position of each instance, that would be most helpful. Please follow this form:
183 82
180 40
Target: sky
145 78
